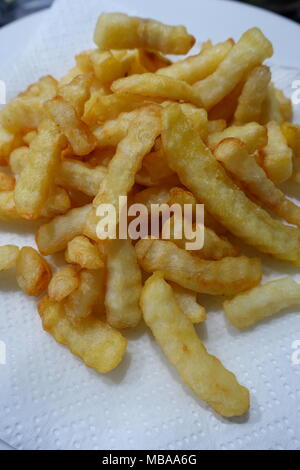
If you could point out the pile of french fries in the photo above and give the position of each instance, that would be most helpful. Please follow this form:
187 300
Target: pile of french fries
126 121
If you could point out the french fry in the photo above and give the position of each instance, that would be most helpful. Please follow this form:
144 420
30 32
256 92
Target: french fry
155 169
28 138
8 143
253 135
76 131
271 110
18 159
35 181
107 68
223 277
291 133
96 343
55 235
8 207
250 51
153 195
198 118
277 156
80 303
44 89
225 109
90 226
113 131
73 174
128 158
7 182
253 306
63 283
197 67
187 301
177 337
82 251
235 158
8 256
285 105
157 86
120 31
253 95
199 171
77 92
123 290
216 125
32 271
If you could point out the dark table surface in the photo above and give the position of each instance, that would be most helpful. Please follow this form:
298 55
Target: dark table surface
11 10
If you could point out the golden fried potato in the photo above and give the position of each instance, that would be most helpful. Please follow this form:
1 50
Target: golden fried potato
7 182
120 31
153 195
291 133
96 343
77 92
28 138
8 143
8 256
111 132
253 135
124 285
271 108
107 68
277 156
264 301
199 171
250 51
82 251
187 301
73 174
63 283
32 272
35 181
177 337
223 277
18 159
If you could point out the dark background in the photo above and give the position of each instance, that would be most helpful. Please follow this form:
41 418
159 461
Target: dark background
14 9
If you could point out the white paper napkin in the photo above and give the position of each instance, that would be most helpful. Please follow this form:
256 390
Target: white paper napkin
50 400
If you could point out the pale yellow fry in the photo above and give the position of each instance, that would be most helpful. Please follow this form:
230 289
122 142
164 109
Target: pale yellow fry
262 302
18 159
107 67
291 133
113 131
199 171
277 156
187 301
63 283
76 131
154 195
82 251
80 303
157 86
253 95
198 118
250 51
8 143
73 174
32 271
234 156
285 105
124 285
197 67
253 135
28 138
7 182
271 108
77 92
177 337
55 235
8 256
120 31
216 125
35 181
90 226
129 156
96 343
227 276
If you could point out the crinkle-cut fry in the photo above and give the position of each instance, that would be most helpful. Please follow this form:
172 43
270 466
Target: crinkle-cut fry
71 74
90 226
202 174
7 182
253 95
29 136
154 195
177 337
33 273
77 92
120 31
250 51
253 135
198 118
291 133
99 346
73 174
155 169
80 303
45 88
124 285
225 109
197 67
82 251
35 181
285 105
216 125
7 206
142 61
277 156
55 235
264 301
76 131
100 108
187 301
128 159
271 110
8 143
157 86
111 132
8 256
235 158
18 159
63 283
214 248
107 68
227 276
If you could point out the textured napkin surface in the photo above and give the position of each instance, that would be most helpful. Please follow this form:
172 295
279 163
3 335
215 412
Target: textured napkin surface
50 400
